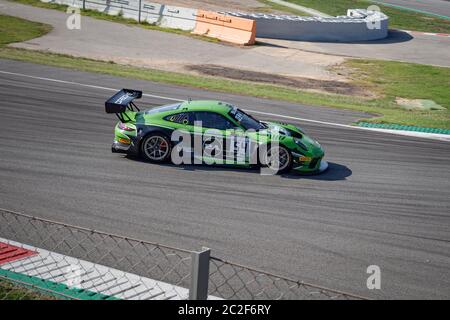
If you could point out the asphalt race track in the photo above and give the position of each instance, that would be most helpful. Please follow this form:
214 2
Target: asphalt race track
438 7
384 201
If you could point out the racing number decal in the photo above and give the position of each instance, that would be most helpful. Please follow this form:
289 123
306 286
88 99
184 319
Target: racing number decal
234 148
239 148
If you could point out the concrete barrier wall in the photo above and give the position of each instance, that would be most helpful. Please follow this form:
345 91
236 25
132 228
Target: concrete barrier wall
151 12
143 11
126 8
227 28
178 18
168 16
358 25
73 3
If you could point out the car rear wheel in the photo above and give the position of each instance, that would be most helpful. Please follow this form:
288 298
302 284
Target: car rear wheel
156 148
278 159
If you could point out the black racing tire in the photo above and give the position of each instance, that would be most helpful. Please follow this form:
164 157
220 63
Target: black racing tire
285 166
156 147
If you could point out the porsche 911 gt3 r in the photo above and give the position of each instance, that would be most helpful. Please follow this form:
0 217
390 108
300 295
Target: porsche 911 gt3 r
148 134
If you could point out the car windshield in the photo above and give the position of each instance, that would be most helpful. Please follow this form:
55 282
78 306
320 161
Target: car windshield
246 120
164 108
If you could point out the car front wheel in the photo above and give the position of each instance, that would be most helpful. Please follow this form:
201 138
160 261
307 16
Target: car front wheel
278 159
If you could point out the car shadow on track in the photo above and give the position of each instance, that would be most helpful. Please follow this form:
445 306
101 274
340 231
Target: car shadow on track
335 171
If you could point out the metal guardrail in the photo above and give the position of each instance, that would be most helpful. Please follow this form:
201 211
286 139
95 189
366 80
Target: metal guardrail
137 269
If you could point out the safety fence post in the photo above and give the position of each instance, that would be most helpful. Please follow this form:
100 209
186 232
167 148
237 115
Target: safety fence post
199 274
140 7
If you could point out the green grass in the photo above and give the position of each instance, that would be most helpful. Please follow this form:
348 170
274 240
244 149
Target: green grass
392 79
399 19
11 291
398 79
16 30
204 82
115 18
384 106
270 6
387 79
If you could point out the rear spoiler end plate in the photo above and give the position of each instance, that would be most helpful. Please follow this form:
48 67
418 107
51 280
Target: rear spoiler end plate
122 100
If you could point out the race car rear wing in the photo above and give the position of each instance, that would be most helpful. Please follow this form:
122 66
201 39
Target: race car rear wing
122 102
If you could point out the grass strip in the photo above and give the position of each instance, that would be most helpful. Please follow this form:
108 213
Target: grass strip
387 79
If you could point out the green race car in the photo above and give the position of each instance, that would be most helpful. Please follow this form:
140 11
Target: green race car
210 132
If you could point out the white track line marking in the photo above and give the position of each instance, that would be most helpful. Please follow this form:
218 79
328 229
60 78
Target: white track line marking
441 137
435 136
80 84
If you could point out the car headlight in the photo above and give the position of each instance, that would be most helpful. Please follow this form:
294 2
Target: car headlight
318 144
301 144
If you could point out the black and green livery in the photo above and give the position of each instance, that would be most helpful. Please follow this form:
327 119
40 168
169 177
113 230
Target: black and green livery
148 133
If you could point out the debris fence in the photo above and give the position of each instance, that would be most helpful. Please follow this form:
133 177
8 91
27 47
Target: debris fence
43 259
